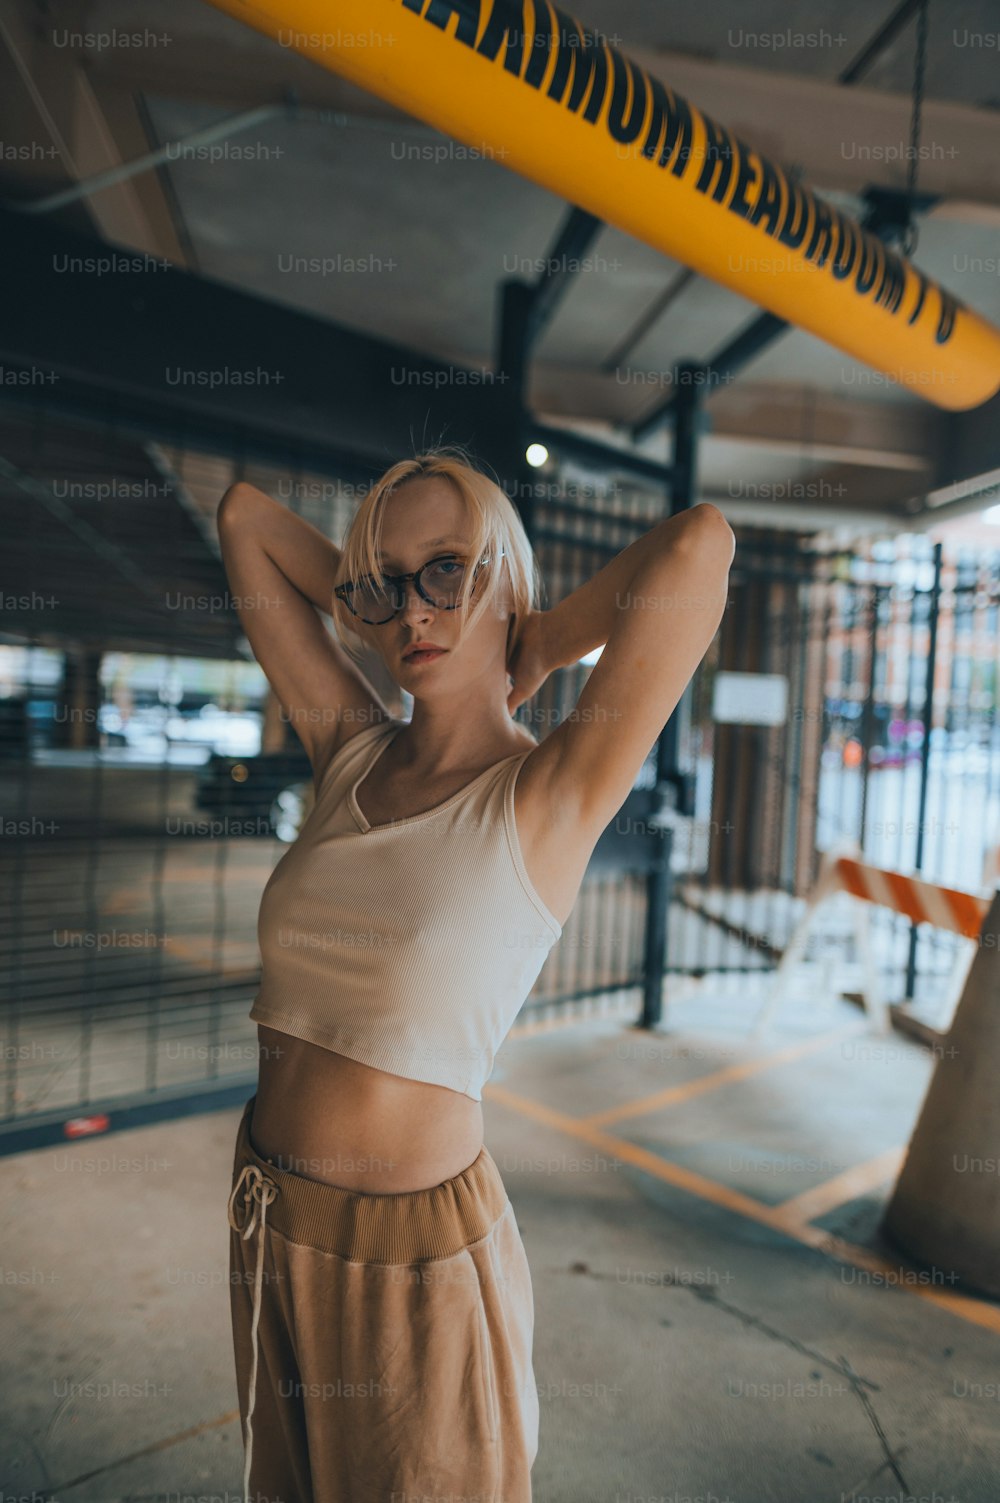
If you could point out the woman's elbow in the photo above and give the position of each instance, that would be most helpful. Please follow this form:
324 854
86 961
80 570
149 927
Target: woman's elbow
717 533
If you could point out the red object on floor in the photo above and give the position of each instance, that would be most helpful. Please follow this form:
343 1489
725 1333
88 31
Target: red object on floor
81 1127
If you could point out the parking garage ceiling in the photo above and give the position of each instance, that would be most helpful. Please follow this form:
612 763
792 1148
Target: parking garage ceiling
351 213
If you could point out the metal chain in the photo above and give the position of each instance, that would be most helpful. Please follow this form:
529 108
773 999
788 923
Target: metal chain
908 243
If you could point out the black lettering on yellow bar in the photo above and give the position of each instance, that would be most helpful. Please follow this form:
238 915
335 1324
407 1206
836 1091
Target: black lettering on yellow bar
720 152
440 12
868 268
836 246
582 57
670 116
505 28
768 205
587 71
624 69
893 281
921 295
745 176
848 248
880 271
541 44
946 320
793 227
819 240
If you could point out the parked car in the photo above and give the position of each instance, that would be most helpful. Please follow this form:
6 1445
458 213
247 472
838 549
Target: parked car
273 790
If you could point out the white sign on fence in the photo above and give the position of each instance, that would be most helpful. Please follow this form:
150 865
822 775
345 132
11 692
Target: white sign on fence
750 698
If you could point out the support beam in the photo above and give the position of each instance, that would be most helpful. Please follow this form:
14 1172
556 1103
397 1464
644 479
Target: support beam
601 456
191 358
837 429
722 366
887 32
562 265
86 135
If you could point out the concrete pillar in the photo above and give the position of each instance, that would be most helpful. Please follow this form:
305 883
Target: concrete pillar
75 723
945 1209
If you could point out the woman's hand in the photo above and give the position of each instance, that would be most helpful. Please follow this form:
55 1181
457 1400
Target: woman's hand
529 666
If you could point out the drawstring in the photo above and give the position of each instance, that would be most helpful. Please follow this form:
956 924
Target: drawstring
258 1190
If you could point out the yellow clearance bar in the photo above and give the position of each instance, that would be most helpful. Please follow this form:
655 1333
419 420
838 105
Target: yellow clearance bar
522 82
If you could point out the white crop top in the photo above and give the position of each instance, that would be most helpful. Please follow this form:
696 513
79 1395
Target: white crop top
409 946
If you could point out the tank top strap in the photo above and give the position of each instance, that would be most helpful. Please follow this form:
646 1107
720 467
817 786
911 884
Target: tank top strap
494 790
349 757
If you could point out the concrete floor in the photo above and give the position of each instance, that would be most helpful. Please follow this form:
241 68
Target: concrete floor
692 1341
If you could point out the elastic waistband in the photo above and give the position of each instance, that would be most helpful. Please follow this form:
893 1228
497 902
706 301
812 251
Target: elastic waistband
404 1227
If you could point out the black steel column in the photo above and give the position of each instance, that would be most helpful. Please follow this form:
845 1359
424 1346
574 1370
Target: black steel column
675 788
933 609
687 413
505 446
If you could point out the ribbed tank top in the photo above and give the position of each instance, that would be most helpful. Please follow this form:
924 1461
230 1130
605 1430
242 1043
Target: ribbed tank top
409 946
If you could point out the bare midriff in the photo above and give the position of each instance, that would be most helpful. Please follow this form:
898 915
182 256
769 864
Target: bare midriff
330 1118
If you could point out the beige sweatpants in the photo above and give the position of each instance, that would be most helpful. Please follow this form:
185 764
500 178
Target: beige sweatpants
382 1341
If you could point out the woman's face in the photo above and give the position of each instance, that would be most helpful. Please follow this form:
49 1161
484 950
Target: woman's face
423 519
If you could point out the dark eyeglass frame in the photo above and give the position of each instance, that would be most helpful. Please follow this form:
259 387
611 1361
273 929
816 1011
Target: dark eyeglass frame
398 581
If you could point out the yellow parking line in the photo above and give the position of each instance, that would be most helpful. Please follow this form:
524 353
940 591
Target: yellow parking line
670 1095
852 1182
894 1274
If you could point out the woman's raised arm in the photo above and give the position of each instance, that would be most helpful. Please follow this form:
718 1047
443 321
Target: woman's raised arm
281 571
655 608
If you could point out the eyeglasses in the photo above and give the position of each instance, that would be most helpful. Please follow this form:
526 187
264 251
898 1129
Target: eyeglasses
376 599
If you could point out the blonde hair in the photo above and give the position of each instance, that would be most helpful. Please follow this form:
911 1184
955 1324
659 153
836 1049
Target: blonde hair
495 525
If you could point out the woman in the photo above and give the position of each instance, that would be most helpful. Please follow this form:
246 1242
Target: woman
381 1296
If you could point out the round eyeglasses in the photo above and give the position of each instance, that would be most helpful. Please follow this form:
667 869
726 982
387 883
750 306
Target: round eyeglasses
376 599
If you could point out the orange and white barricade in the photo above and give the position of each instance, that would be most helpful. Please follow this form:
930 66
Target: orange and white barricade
842 870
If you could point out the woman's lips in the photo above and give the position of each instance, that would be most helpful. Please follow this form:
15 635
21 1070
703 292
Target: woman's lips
427 655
